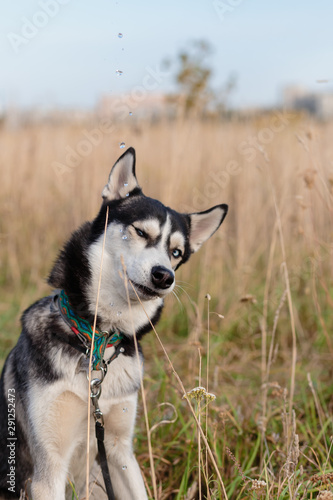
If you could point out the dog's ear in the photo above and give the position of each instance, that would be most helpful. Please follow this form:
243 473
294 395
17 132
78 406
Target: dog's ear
204 224
122 178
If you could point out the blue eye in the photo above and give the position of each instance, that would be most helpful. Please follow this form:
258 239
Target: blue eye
140 233
176 253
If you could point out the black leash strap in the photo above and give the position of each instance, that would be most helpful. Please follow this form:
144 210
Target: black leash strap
103 460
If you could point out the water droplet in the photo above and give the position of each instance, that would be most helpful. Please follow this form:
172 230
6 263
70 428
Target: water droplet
119 72
111 304
127 194
125 184
130 113
120 35
124 467
125 410
121 230
119 313
125 237
121 145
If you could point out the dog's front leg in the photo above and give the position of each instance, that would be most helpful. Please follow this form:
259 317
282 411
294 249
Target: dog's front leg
125 472
56 432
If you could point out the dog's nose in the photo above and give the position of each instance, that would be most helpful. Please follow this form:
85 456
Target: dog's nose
162 277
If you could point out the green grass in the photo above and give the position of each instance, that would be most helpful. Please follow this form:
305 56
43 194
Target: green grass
285 457
261 450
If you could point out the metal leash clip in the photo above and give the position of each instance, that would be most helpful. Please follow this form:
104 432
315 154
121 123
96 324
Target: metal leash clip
95 392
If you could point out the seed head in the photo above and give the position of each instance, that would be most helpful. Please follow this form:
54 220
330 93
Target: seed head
200 394
258 485
325 495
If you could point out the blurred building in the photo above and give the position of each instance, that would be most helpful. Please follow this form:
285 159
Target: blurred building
318 104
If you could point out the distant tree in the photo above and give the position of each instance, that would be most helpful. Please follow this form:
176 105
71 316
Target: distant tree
221 96
193 78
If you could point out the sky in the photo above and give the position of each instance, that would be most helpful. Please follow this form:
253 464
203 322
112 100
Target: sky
66 53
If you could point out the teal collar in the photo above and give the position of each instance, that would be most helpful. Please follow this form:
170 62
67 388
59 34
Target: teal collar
84 331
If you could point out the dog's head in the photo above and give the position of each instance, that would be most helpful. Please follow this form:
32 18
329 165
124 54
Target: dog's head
144 238
145 242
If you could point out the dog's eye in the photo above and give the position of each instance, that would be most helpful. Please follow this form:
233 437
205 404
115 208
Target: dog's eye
140 233
176 253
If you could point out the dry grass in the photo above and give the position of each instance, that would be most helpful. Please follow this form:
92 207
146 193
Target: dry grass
272 419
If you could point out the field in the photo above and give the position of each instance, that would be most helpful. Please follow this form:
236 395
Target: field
253 321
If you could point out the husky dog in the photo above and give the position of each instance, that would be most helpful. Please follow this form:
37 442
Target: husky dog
44 389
